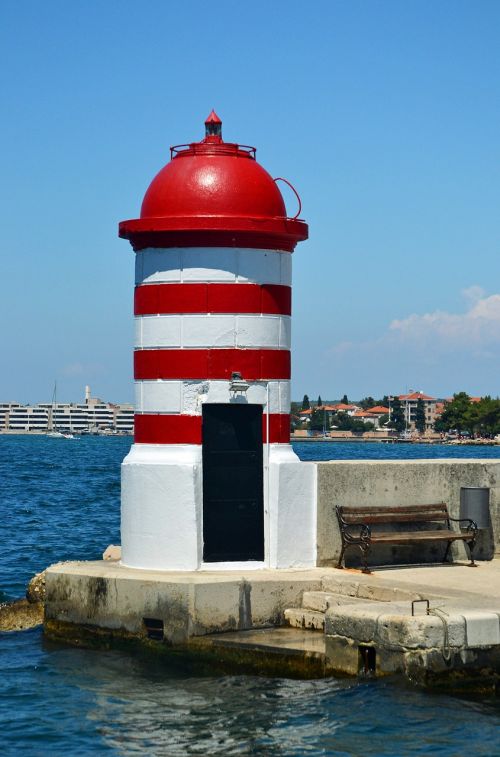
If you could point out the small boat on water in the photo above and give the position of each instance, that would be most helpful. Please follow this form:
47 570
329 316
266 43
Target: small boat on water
60 435
52 430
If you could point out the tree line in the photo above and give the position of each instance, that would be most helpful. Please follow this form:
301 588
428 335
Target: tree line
461 414
342 421
481 418
366 403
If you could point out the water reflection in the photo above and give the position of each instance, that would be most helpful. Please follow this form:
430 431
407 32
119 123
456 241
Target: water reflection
139 705
56 700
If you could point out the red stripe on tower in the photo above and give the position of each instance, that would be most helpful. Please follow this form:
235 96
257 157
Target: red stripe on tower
254 365
187 429
156 299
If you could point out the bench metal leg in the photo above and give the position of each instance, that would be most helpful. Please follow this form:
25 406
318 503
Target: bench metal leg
470 546
339 564
445 558
365 548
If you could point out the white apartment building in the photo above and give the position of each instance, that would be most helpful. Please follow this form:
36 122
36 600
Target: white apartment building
5 411
91 416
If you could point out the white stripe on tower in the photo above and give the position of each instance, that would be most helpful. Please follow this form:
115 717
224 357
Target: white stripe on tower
213 264
186 397
246 331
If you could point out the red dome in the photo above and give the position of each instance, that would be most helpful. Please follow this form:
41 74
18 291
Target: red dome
209 183
213 193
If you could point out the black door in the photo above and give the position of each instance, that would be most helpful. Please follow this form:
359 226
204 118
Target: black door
233 483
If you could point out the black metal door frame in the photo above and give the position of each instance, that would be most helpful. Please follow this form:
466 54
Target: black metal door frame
233 482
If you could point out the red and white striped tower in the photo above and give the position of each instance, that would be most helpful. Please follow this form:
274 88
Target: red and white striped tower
212 325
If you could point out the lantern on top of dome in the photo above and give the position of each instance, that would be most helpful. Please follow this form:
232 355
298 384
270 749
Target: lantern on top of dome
213 126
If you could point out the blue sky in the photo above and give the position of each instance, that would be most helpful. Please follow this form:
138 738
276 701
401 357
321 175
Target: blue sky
385 116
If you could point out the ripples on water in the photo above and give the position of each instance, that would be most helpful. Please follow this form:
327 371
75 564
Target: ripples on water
59 499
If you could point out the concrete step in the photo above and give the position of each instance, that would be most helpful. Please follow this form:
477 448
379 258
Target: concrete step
368 589
321 601
301 617
338 593
284 652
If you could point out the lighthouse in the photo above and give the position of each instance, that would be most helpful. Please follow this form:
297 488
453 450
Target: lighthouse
211 481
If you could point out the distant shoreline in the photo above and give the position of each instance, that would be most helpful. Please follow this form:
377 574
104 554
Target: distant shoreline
392 440
310 439
37 432
348 439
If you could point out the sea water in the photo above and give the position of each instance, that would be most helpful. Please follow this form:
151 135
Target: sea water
59 499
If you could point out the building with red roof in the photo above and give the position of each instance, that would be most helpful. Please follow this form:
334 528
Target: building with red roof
409 403
341 407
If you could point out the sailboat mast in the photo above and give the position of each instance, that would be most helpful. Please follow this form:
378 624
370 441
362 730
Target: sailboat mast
54 404
50 419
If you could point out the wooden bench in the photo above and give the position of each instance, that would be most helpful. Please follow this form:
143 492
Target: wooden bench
356 528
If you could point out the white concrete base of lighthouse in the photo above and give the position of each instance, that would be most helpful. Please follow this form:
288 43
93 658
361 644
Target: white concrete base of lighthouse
162 509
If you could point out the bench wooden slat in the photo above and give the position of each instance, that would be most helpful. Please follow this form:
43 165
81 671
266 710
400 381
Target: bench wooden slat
407 536
404 514
395 508
431 515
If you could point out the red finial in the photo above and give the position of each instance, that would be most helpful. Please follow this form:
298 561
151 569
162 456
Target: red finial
213 127
213 118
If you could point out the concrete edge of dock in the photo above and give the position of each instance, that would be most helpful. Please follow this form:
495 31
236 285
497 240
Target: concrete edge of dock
356 625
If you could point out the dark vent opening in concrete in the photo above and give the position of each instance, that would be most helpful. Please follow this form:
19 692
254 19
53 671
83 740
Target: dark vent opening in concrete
367 660
154 628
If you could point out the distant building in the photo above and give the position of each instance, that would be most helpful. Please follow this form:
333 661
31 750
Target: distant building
329 411
6 409
305 415
372 415
363 415
409 403
340 407
379 410
439 409
92 416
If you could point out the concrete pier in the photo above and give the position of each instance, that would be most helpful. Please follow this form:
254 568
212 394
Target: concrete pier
356 624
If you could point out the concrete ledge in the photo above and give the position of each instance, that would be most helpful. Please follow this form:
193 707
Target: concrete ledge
420 632
482 629
107 595
393 626
356 622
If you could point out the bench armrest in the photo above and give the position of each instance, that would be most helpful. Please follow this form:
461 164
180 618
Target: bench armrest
364 533
471 524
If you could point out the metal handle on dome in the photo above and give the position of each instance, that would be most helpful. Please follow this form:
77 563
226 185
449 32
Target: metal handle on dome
280 178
